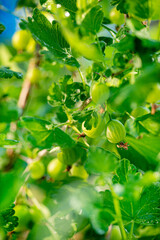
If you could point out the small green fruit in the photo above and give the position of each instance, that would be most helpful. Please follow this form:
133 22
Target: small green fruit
56 169
115 233
116 17
24 217
20 39
115 131
99 93
34 75
68 156
79 171
31 46
37 169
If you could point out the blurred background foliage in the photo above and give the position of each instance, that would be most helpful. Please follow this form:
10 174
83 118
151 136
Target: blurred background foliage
100 190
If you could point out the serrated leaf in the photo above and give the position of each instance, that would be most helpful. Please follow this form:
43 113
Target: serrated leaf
69 5
77 43
92 21
47 34
2 28
7 73
123 170
145 211
45 135
100 161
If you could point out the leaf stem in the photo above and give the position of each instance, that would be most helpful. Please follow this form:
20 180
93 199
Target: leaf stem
131 231
118 213
70 121
83 80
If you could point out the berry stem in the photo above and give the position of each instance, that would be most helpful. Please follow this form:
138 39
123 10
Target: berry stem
118 213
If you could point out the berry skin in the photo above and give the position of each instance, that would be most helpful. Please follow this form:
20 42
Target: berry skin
115 233
115 131
34 75
68 156
116 17
99 93
20 39
56 169
79 171
37 169
30 48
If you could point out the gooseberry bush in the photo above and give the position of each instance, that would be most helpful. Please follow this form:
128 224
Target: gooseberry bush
80 121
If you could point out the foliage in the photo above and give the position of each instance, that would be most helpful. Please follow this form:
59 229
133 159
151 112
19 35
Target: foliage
7 219
80 122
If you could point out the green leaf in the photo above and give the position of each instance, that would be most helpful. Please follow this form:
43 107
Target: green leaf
100 161
9 111
147 146
7 142
72 62
7 73
151 123
10 183
55 97
154 9
123 171
77 43
69 5
82 198
145 211
92 21
66 92
139 8
145 9
2 28
123 97
47 34
42 1
45 135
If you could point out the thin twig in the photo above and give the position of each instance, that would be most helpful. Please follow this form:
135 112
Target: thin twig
85 103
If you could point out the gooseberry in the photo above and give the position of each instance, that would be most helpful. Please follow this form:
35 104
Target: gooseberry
99 93
20 39
116 17
36 169
79 171
56 169
115 131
